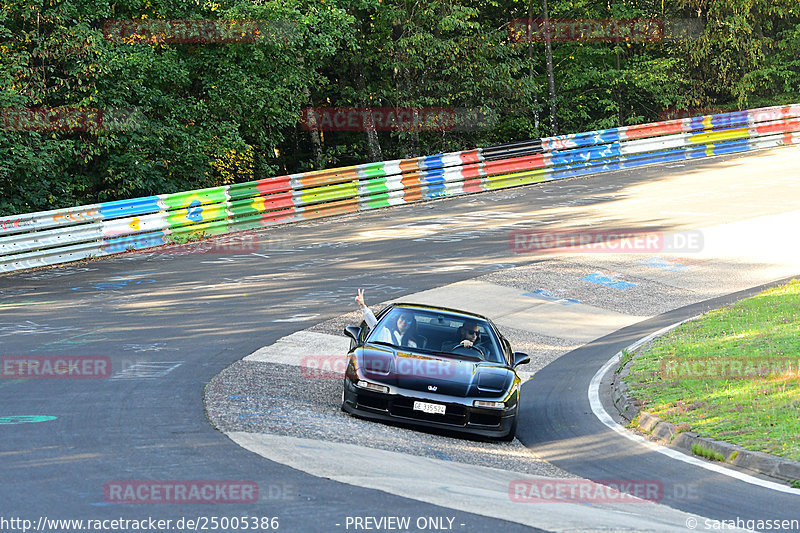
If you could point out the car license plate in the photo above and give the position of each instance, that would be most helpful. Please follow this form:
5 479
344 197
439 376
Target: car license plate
433 408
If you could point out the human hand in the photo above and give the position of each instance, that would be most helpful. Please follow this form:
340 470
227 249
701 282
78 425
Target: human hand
466 343
360 298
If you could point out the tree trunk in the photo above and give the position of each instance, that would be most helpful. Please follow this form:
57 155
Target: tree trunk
551 82
618 90
530 68
373 144
314 133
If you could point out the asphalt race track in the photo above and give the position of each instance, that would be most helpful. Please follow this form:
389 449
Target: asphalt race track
170 321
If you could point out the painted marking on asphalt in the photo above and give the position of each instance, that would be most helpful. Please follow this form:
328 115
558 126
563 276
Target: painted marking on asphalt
222 260
148 370
438 454
297 318
608 281
54 273
31 328
155 347
292 416
24 304
605 418
115 283
25 419
6 382
453 268
76 340
246 397
545 295
670 265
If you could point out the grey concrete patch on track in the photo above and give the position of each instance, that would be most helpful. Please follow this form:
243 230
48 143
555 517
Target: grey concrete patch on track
335 325
563 278
291 350
461 486
543 349
277 399
511 307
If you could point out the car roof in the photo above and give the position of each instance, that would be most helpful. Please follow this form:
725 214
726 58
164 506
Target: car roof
434 308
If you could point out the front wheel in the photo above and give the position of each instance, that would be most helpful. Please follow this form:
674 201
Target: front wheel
512 433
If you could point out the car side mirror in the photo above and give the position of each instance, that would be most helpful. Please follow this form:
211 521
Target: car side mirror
353 332
521 358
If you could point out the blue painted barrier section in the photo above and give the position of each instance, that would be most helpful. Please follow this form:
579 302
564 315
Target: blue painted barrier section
129 208
432 162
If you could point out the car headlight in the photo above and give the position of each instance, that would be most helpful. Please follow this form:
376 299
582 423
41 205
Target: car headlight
489 405
372 386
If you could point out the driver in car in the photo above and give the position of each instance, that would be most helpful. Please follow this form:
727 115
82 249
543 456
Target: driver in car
400 333
467 335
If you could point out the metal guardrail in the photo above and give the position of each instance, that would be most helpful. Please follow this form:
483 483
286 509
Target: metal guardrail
64 235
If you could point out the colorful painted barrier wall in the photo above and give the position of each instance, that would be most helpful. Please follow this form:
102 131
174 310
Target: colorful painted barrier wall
53 237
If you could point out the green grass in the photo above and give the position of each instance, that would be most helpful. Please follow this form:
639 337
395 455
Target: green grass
624 359
708 454
759 410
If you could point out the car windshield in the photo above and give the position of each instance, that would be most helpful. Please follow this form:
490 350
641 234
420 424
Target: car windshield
440 333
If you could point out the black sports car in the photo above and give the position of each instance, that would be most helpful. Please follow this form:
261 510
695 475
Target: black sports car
434 367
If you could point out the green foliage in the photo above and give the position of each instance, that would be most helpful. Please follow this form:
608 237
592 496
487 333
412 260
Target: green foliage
702 451
755 406
625 358
179 116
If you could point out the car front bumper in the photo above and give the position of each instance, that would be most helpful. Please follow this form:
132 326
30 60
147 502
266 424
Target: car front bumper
460 415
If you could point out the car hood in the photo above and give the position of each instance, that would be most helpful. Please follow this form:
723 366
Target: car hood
416 371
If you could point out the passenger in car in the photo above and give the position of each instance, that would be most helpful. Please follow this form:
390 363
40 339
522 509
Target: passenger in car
401 332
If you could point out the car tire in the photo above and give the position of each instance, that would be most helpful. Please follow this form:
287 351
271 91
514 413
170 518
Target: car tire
512 433
342 404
